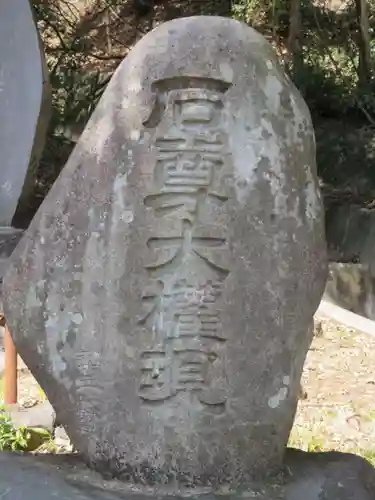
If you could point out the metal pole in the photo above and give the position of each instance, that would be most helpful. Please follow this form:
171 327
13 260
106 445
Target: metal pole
10 372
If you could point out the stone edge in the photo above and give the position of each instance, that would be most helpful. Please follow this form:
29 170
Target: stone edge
347 318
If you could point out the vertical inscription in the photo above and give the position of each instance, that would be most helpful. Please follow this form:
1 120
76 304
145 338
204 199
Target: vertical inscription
89 393
188 253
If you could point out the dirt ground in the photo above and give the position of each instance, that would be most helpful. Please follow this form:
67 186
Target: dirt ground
339 379
338 412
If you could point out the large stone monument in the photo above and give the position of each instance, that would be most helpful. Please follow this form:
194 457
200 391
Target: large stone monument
164 293
25 104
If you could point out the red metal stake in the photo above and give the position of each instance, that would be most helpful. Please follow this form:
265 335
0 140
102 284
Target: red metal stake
10 372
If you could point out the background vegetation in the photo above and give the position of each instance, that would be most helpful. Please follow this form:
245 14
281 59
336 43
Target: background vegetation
327 46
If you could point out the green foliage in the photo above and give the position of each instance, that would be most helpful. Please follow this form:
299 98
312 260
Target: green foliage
369 455
12 438
67 30
85 40
328 77
38 437
20 438
270 17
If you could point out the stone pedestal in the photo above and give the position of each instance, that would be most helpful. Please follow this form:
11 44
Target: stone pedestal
307 476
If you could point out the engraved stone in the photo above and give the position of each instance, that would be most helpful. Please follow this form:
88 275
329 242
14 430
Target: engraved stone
25 105
164 292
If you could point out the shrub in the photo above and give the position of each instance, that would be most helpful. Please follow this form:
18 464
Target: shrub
12 438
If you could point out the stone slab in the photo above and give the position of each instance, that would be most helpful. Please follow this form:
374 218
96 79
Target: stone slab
328 476
41 415
307 476
24 478
24 104
164 293
347 318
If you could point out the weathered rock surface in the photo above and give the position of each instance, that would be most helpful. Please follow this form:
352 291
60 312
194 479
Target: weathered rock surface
9 238
24 105
41 415
331 476
308 476
164 291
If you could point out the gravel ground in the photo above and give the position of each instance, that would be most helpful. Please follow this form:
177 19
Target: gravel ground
339 379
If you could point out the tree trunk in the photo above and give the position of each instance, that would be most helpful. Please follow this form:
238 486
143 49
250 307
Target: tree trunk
364 66
294 45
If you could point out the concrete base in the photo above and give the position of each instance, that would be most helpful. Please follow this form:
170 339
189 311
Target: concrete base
307 476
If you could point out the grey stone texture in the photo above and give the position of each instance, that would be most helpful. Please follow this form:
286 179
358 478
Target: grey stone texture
307 476
164 292
24 104
41 415
328 476
9 238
